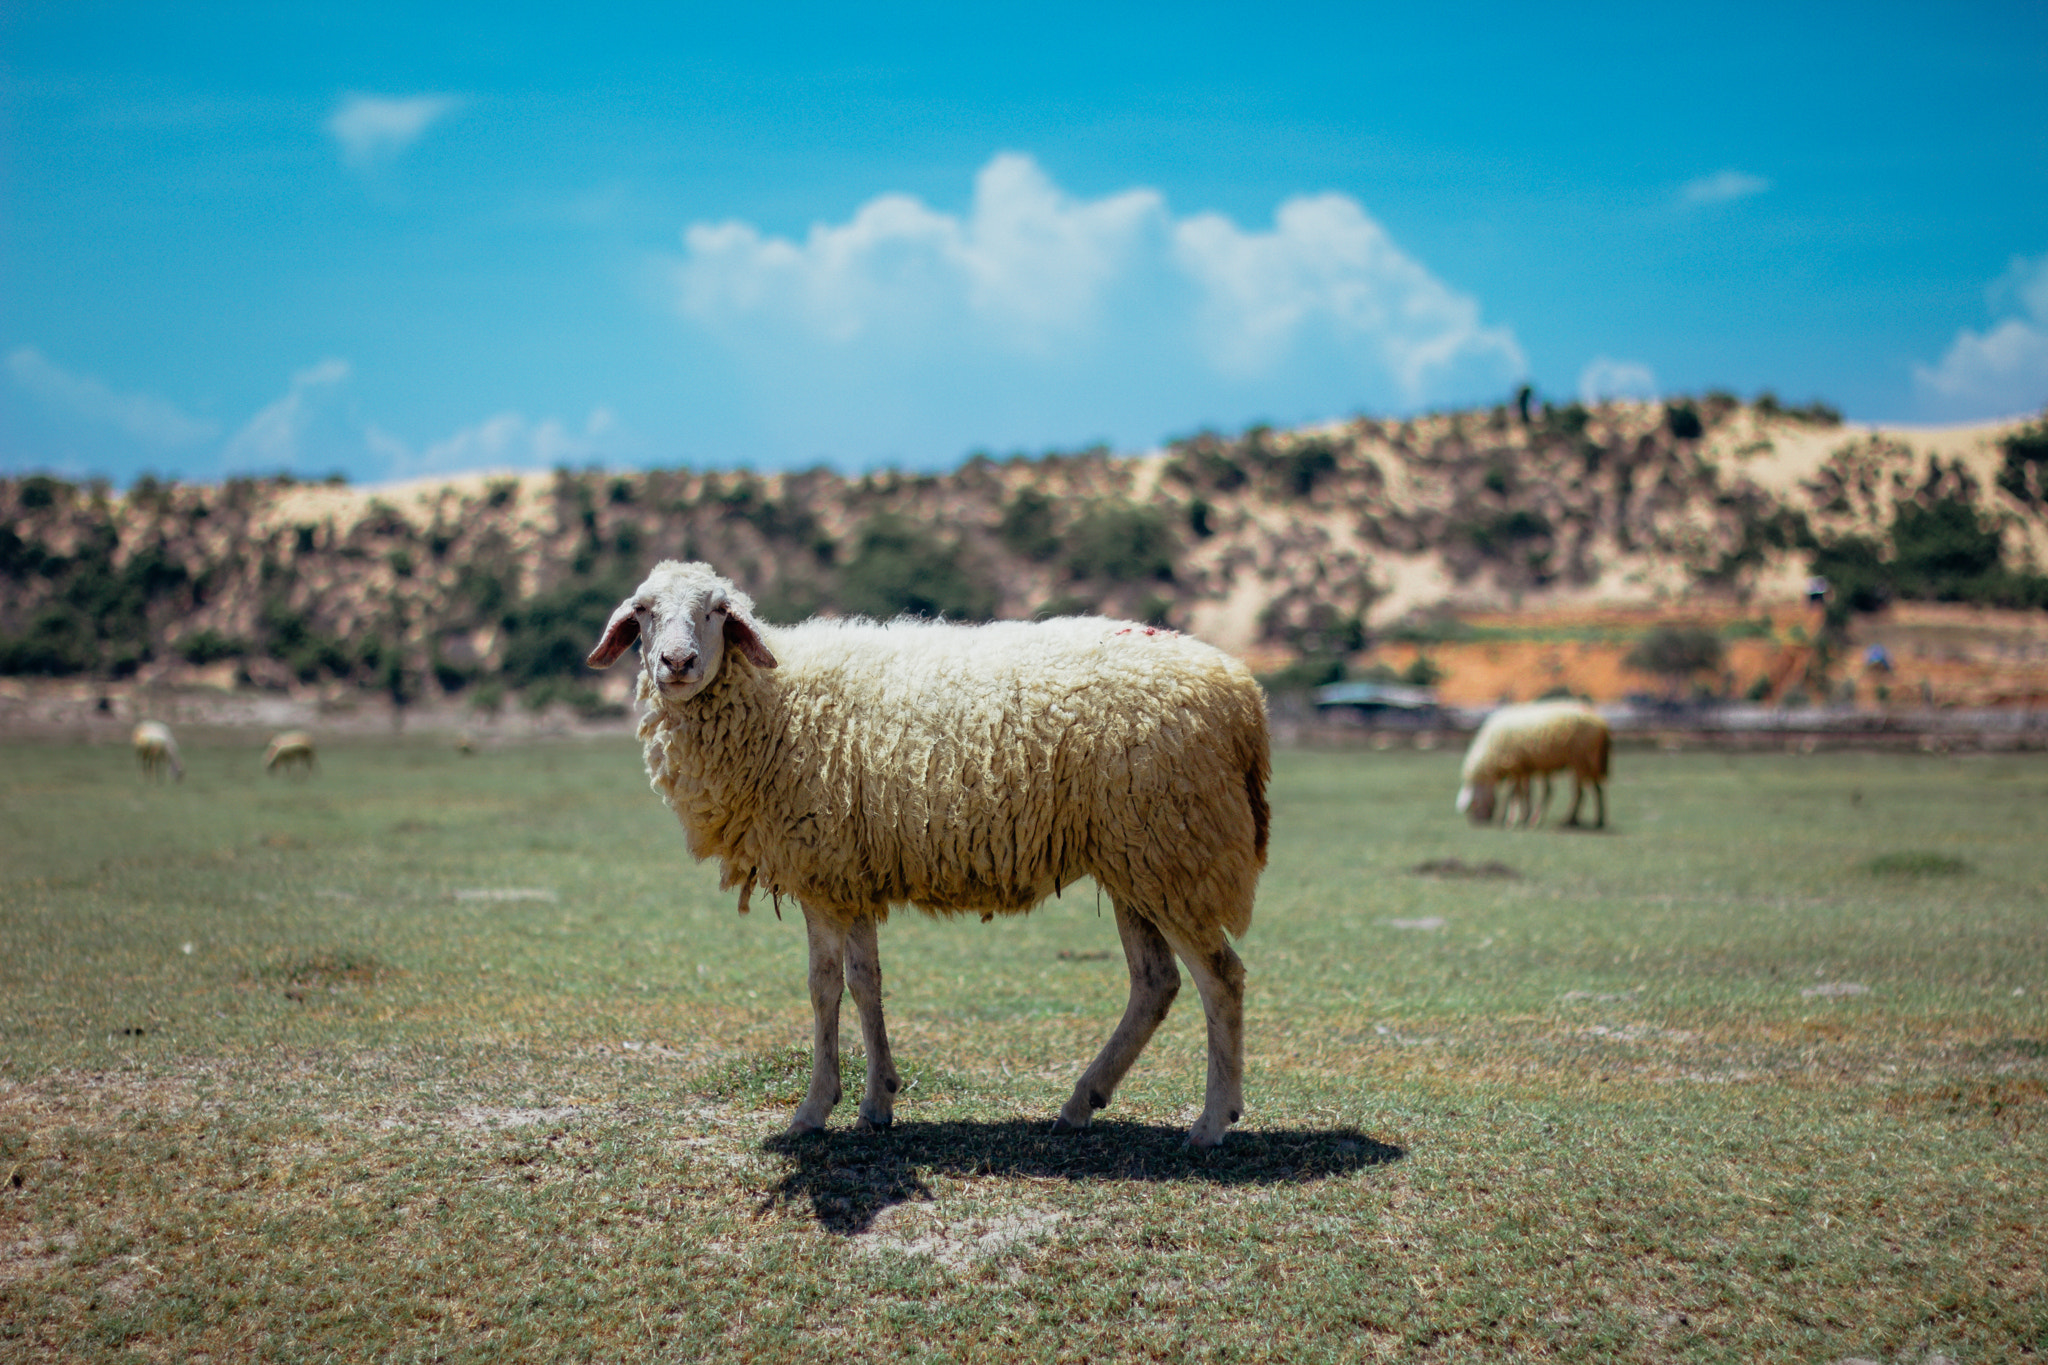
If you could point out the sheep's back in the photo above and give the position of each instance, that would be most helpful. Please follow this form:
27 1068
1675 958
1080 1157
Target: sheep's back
980 769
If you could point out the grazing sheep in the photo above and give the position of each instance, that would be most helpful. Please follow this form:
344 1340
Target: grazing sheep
1536 739
157 750
857 765
292 747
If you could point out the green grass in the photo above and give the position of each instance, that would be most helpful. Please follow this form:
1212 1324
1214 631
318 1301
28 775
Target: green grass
434 1057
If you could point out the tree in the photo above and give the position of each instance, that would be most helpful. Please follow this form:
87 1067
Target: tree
1677 654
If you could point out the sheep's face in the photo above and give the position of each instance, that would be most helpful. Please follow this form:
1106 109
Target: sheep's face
1475 799
684 616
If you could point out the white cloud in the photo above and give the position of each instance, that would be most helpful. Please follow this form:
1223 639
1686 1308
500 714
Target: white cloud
372 130
1028 259
1722 186
509 440
1326 261
1034 293
1605 377
149 421
1999 372
278 436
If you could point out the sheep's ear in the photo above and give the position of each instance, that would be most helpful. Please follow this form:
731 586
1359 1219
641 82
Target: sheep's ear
739 630
622 630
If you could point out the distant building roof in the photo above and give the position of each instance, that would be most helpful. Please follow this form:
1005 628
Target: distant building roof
1391 695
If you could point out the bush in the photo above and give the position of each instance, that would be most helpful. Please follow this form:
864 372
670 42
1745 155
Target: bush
1677 653
1423 672
1816 413
210 646
1683 421
1027 526
1121 542
899 569
2024 473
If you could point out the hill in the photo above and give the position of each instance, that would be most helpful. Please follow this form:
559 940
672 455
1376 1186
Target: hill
1298 548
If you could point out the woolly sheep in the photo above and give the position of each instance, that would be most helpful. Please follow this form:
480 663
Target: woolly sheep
856 765
156 750
288 748
1535 739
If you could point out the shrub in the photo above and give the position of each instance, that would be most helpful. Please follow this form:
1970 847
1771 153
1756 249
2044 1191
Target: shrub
1816 413
1676 653
1423 672
1310 670
899 569
210 646
1121 542
2024 473
1204 461
1027 526
1683 421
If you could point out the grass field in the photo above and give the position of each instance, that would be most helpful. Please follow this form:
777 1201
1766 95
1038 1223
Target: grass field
434 1057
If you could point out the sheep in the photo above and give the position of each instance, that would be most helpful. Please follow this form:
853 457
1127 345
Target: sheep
856 765
156 750
287 748
1536 739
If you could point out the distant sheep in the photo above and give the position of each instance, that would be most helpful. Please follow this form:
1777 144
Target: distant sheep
1536 739
156 750
856 765
289 749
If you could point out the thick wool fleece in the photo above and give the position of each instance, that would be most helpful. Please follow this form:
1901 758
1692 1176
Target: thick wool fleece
1535 738
974 769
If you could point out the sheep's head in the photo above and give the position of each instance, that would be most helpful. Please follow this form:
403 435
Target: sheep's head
1475 799
684 616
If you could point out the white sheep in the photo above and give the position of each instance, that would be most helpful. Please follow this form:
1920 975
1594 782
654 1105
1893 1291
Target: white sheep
288 748
1535 739
156 750
856 765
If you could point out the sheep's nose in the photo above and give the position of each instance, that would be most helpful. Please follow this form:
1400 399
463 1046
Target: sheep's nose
678 661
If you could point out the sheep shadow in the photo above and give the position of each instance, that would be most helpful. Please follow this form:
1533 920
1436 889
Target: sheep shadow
849 1177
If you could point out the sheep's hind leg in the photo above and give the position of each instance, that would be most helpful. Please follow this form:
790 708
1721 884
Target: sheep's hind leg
1154 983
828 953
1571 819
1219 976
864 981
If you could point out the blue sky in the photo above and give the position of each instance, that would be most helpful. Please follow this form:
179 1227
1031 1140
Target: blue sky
401 240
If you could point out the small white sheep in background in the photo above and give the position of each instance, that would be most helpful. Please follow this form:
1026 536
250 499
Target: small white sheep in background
1531 740
857 765
156 750
288 749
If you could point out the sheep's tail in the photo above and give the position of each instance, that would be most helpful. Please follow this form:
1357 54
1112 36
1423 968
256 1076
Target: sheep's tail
1602 748
1262 813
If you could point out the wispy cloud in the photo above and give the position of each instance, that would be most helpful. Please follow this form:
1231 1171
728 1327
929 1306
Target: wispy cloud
151 422
1722 186
1033 290
278 436
1605 377
374 130
2001 371
510 440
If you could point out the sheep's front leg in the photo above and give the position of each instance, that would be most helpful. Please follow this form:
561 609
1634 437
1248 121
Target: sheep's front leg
828 953
864 980
1154 983
1219 976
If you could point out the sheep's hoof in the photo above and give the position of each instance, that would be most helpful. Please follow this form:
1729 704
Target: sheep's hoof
880 1125
1060 1125
799 1126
